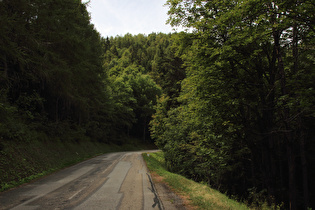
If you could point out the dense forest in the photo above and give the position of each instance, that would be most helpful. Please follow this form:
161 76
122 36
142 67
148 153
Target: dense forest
231 103
58 75
245 123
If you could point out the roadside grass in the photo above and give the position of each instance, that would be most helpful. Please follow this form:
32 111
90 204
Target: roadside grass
200 196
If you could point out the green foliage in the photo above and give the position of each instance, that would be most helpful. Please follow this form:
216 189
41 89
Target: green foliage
51 61
140 68
58 74
154 54
232 103
246 107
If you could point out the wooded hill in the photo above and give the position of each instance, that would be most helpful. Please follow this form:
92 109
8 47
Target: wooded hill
58 74
232 102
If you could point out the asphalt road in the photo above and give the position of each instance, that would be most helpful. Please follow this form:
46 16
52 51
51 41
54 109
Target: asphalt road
111 181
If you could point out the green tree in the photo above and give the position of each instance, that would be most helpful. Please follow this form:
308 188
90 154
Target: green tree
124 102
145 91
241 59
134 58
51 61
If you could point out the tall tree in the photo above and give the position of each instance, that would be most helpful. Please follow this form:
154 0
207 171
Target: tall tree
51 60
244 76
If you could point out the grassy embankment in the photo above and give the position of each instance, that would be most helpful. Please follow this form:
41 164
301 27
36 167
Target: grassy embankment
199 195
21 162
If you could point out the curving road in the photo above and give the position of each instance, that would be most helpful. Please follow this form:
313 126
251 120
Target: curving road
111 181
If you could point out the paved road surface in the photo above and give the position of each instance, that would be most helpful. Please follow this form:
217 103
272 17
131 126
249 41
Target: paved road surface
111 181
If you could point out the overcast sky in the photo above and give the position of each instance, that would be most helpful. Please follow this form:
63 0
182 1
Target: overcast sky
118 17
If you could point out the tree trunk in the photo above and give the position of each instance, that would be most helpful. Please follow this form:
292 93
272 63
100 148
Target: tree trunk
304 172
292 184
295 52
272 172
56 110
5 64
286 120
144 128
128 131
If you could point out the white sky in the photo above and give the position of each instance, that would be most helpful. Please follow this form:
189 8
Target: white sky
118 17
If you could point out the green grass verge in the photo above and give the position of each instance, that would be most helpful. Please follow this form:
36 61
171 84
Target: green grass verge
201 196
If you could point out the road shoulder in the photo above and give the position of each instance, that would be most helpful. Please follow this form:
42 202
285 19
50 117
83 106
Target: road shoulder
169 199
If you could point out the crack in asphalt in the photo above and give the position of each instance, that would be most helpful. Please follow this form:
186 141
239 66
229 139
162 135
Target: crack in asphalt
157 200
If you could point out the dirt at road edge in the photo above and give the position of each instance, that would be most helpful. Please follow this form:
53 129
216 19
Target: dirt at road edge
169 198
